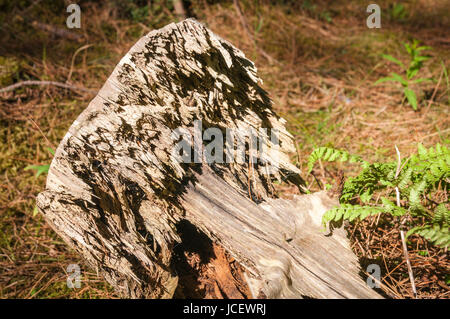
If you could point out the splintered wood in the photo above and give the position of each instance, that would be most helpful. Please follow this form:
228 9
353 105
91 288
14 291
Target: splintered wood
117 194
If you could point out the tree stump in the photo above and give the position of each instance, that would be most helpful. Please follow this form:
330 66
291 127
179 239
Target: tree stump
120 196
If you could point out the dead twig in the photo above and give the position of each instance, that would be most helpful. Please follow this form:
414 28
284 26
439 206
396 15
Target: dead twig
402 233
73 60
434 92
59 32
54 83
42 133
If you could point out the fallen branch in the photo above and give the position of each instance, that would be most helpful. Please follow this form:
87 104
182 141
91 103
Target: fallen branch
59 32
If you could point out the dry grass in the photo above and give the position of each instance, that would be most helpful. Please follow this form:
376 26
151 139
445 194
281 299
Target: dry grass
321 80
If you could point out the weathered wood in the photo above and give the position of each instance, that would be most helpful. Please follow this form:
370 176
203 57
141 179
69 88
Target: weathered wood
116 193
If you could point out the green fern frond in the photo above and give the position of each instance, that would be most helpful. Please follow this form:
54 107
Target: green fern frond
439 236
426 171
350 212
441 215
405 178
392 208
415 192
331 155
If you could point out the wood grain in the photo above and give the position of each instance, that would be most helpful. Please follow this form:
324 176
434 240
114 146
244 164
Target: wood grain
115 192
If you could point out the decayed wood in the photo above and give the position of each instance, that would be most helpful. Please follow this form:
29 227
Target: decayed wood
116 193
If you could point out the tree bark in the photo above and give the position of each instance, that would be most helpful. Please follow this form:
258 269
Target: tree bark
117 194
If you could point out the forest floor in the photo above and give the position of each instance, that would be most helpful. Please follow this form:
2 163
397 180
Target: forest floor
319 63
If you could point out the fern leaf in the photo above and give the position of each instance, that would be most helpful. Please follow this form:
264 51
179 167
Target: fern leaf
405 178
350 212
331 155
439 236
414 195
441 214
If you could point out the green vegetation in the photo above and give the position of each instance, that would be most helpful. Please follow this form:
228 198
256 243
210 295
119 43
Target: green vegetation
322 86
40 169
415 179
398 12
9 70
410 72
